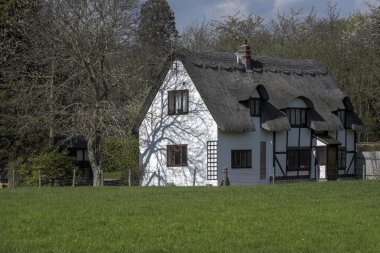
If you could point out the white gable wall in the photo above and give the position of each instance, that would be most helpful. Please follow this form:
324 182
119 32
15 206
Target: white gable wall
159 129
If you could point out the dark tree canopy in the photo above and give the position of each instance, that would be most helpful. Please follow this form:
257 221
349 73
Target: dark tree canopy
157 32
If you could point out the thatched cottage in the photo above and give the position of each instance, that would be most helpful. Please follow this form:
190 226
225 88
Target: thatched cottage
259 117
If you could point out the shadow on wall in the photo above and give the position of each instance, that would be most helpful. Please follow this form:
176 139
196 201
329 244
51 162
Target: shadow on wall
159 129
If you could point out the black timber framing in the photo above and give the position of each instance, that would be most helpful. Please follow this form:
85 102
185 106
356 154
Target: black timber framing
349 166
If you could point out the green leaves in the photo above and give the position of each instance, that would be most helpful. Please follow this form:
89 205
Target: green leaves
49 165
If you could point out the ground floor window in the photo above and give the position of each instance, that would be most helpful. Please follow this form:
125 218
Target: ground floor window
176 155
298 159
341 159
241 159
82 155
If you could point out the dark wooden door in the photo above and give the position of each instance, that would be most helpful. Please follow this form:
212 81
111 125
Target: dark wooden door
332 163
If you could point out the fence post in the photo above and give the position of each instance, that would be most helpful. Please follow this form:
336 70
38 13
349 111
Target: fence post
274 174
39 178
318 173
194 176
13 178
74 172
159 178
129 177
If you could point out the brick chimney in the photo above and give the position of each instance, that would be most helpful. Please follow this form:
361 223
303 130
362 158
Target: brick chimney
245 55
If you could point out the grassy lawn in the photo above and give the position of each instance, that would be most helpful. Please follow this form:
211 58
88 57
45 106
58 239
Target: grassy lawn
309 217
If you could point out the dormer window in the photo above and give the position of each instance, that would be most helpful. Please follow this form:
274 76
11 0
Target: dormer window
296 116
255 107
178 102
342 116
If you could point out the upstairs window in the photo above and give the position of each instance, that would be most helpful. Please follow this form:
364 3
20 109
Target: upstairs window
296 116
241 159
298 159
176 155
342 116
178 101
255 107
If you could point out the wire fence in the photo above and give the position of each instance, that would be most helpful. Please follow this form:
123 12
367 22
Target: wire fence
15 179
367 167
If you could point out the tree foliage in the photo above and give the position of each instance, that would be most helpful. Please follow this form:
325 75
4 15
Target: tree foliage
19 134
122 155
47 166
157 33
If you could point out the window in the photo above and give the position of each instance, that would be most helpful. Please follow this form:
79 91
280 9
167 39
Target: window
298 159
178 101
241 159
342 116
82 155
176 155
296 116
255 107
341 159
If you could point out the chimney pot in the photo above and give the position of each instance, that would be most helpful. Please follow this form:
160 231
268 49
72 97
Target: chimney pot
245 55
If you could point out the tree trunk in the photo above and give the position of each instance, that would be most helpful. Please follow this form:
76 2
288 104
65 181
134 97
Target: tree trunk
51 103
93 147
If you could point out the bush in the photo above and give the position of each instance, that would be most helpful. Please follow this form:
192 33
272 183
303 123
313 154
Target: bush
122 155
52 166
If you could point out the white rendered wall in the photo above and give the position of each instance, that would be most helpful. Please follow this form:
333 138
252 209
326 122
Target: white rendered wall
159 129
245 141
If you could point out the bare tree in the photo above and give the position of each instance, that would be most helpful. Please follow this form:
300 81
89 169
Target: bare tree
198 37
95 94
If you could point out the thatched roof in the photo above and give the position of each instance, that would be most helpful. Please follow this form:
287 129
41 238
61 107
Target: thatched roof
226 86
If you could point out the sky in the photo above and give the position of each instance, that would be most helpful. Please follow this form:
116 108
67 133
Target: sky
189 11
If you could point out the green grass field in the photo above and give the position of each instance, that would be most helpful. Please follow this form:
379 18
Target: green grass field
309 217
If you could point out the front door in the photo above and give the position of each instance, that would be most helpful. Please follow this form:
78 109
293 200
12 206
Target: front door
332 163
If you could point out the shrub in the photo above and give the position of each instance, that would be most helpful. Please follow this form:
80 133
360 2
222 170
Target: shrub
122 155
53 167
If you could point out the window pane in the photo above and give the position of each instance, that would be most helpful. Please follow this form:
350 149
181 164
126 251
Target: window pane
171 104
176 155
303 117
293 115
178 102
254 105
86 155
305 156
291 159
184 155
298 159
298 116
185 105
241 159
79 155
